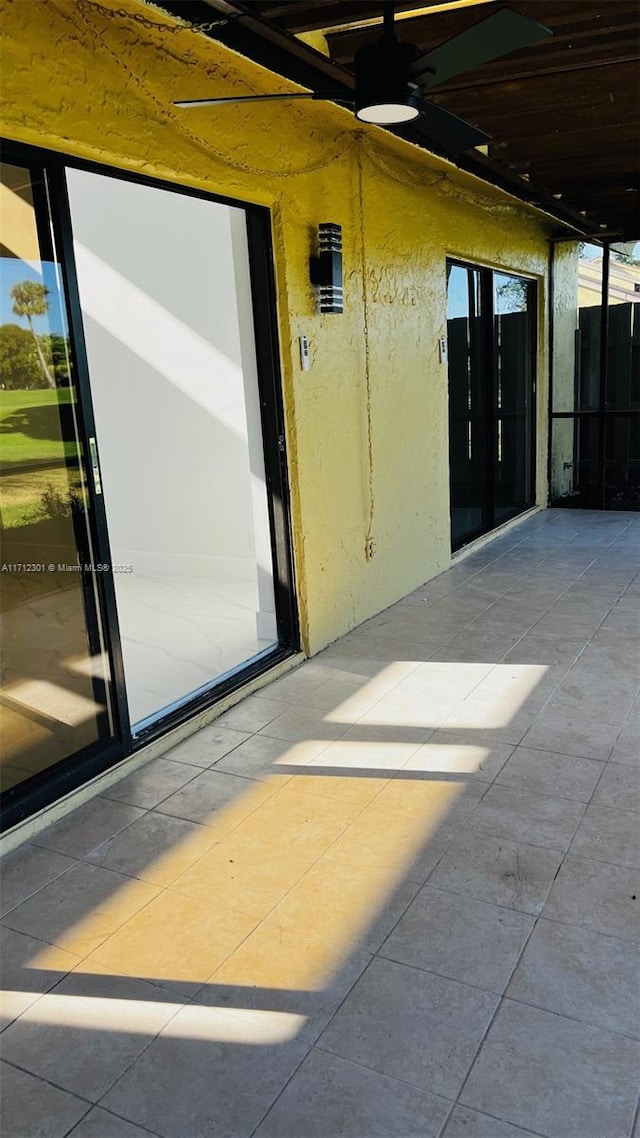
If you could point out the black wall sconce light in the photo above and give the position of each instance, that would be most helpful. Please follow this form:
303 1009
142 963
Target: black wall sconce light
325 268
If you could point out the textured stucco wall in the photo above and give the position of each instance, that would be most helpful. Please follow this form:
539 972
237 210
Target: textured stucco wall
78 81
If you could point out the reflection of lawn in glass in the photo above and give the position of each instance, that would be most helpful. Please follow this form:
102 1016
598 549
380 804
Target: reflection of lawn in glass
30 426
22 494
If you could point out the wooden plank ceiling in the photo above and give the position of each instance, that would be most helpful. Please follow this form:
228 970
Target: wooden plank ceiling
564 114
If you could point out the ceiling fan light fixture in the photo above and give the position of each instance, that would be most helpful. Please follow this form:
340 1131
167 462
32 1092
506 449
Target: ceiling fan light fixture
387 113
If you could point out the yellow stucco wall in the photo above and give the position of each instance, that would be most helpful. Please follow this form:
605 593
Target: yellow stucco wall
77 81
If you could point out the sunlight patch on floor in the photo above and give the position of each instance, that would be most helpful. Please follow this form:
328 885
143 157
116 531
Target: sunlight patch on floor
145 1017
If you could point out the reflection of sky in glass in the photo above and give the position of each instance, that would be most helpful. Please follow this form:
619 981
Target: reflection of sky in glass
630 248
589 252
511 294
457 293
12 271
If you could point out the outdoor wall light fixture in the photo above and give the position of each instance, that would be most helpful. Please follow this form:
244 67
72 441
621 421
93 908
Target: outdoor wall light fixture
325 267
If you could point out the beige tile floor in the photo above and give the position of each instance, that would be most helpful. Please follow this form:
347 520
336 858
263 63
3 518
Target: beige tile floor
394 895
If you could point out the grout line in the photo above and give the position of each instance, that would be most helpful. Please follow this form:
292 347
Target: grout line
635 1125
572 1018
377 1071
590 928
50 1083
493 1117
76 861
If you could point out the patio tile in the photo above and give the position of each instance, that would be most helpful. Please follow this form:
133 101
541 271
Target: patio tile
523 816
86 827
32 1108
344 700
396 830
21 983
299 723
555 731
175 940
448 752
409 709
272 987
84 1042
251 713
332 780
445 801
424 862
544 772
296 683
80 909
207 746
156 848
306 824
100 1123
432 1026
465 1123
355 906
246 875
619 786
331 1096
596 896
581 974
554 1076
609 835
627 746
149 785
368 747
498 871
462 939
232 1079
547 650
27 869
215 799
445 681
260 755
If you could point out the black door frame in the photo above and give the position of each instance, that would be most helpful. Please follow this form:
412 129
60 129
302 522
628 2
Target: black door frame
485 354
44 788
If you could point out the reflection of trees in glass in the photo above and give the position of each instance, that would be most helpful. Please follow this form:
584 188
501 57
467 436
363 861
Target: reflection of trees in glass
56 349
512 295
29 300
20 366
19 363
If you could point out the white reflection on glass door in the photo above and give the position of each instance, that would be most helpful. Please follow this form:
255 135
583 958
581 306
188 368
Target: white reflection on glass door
165 293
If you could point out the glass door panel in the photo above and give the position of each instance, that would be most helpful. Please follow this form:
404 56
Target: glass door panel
467 404
166 300
491 357
55 670
513 309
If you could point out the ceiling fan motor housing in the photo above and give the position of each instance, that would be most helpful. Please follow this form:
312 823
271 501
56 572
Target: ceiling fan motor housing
381 71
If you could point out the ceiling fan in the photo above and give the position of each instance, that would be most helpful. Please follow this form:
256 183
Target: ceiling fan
391 77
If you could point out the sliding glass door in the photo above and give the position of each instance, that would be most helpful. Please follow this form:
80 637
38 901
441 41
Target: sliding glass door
491 354
146 554
165 293
55 694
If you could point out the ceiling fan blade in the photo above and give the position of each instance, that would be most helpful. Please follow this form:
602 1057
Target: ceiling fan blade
447 131
492 38
260 99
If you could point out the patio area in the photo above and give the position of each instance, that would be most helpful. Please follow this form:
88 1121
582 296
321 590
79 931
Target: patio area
392 895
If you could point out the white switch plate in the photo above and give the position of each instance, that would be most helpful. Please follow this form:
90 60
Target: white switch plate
442 344
305 360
